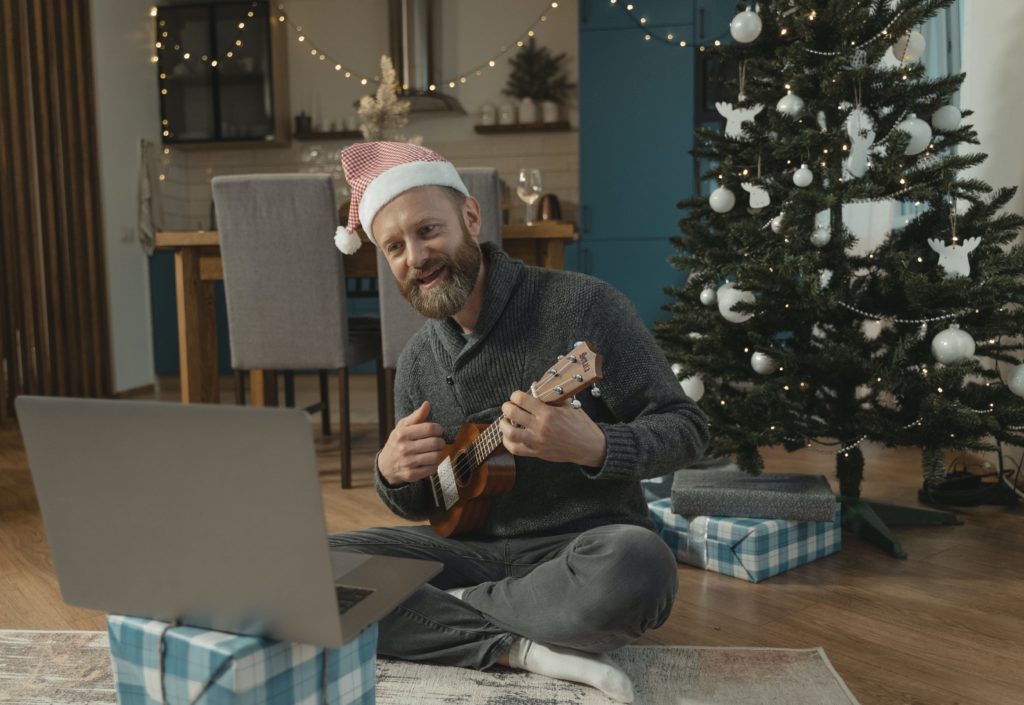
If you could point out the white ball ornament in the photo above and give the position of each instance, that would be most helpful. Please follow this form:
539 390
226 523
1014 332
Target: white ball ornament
729 296
708 297
1015 380
693 387
952 344
821 237
803 177
920 134
777 223
909 47
822 233
790 104
947 118
745 27
763 363
722 200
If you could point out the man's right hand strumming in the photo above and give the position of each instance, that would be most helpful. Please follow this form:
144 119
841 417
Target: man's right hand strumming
414 449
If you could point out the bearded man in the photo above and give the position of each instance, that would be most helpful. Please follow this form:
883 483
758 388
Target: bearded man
566 568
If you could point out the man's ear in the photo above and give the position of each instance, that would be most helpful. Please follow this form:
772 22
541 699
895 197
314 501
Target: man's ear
471 216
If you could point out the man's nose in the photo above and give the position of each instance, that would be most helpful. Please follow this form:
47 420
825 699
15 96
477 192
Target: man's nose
416 255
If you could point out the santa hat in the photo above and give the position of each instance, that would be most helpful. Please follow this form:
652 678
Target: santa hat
379 172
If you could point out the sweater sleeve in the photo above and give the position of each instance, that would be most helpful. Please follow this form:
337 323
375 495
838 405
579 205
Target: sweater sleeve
409 500
658 429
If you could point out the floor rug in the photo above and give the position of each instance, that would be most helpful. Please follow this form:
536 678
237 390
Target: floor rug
73 668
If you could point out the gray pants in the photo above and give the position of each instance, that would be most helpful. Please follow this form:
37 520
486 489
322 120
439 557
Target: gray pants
594 591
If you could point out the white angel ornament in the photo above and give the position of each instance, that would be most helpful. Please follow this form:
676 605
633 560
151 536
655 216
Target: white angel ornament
953 258
862 136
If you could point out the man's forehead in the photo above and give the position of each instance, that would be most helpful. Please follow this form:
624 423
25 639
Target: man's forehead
412 206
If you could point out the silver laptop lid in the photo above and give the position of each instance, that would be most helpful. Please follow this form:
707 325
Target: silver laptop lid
206 514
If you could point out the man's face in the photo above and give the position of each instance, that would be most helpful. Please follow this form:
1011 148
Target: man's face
431 247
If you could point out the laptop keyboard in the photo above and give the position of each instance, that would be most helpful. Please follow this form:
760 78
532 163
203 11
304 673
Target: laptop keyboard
349 596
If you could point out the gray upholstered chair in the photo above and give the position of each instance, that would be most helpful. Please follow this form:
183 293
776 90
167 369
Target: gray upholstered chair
398 320
284 282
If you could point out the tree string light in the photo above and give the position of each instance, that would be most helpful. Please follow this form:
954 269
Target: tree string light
669 38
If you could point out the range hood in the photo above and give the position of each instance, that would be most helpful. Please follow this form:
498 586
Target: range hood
412 51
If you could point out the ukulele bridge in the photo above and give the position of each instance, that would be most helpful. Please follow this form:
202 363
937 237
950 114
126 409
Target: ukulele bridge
449 487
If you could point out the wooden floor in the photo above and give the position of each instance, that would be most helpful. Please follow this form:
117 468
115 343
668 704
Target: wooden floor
944 627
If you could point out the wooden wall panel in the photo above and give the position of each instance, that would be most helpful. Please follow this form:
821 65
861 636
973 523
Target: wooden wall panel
54 330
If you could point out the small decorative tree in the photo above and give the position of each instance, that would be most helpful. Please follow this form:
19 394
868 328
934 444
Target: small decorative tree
538 74
385 115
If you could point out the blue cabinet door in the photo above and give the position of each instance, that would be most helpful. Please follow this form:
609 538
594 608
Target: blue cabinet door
637 268
636 133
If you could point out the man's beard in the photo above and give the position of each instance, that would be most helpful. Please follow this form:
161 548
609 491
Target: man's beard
445 298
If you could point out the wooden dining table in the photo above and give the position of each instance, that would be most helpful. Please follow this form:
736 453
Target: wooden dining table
197 265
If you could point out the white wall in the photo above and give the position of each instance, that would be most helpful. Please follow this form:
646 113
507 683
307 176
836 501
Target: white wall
993 52
355 34
127 110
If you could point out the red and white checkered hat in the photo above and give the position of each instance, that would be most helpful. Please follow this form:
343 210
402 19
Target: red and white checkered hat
378 172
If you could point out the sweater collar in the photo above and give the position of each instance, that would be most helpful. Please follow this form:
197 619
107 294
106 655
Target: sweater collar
503 273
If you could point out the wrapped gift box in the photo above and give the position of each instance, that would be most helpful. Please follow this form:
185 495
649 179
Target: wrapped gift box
156 663
752 549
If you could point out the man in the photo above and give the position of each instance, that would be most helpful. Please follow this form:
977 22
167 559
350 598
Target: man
566 567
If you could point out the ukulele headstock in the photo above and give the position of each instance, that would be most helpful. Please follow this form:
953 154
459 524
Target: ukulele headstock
572 373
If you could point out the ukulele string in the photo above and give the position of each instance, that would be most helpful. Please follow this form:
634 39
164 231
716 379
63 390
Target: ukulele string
473 456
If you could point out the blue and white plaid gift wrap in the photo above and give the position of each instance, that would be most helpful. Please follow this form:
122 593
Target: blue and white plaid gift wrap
752 549
203 667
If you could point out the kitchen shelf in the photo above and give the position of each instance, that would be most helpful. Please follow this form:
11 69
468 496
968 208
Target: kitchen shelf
330 135
562 126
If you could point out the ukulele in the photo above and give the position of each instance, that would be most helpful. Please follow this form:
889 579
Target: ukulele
478 468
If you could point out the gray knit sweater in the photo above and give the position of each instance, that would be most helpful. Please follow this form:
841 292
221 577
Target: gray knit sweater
530 316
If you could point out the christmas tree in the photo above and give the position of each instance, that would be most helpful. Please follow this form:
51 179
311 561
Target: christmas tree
794 332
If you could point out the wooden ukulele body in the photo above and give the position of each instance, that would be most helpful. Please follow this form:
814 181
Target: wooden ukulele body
495 476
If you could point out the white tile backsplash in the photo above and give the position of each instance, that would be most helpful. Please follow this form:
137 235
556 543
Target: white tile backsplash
187 194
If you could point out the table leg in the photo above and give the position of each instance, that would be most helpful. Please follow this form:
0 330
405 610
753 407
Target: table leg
197 330
554 254
263 387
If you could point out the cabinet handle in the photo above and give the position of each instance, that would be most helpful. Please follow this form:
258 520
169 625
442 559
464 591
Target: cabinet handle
585 225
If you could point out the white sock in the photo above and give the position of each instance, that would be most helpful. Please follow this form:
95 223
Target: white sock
595 670
456 592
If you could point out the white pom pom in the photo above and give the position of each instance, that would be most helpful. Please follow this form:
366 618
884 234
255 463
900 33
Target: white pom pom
346 240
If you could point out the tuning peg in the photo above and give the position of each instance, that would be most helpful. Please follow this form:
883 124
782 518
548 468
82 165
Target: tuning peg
576 403
577 343
595 391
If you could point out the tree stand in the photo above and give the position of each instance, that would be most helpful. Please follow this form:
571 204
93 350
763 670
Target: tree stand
871 520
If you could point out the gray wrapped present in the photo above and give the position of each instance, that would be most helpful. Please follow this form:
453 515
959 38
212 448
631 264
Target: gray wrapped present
729 492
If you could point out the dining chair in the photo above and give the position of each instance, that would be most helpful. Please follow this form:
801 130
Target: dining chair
284 284
398 320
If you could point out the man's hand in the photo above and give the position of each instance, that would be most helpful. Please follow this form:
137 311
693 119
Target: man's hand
414 449
559 434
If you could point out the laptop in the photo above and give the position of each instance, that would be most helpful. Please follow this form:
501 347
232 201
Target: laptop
206 515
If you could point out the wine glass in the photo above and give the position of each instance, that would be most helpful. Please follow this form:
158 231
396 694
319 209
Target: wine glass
528 189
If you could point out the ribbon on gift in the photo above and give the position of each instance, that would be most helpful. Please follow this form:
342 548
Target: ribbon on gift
696 550
162 650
